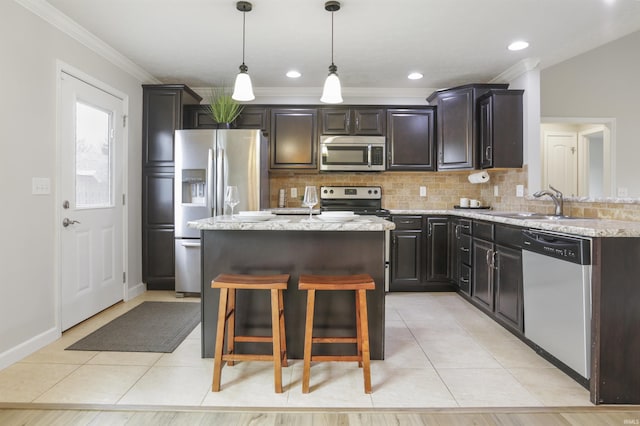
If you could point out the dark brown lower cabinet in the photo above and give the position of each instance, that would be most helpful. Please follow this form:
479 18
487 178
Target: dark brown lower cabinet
158 266
437 250
407 244
420 254
497 273
508 286
482 281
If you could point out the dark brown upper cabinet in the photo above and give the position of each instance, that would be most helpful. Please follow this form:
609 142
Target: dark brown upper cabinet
500 128
457 135
352 121
293 138
199 117
161 116
410 139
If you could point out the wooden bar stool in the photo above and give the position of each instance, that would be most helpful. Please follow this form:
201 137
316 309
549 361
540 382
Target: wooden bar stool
360 284
228 284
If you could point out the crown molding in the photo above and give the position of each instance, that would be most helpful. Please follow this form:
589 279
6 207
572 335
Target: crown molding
68 26
312 94
516 70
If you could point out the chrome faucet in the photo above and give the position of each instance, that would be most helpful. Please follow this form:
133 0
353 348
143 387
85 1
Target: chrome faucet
556 197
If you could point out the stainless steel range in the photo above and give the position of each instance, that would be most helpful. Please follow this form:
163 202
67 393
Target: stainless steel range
362 200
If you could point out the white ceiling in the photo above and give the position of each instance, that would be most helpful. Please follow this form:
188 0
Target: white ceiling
377 43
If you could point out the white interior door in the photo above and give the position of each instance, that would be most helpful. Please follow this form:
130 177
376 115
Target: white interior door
91 211
561 161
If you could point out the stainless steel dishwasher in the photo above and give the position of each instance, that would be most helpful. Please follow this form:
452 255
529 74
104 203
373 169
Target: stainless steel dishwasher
557 296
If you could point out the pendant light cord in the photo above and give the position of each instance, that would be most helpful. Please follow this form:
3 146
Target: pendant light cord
332 37
244 17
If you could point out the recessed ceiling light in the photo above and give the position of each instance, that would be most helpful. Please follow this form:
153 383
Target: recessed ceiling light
293 74
518 45
415 76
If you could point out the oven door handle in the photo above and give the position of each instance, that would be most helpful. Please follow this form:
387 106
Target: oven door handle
369 155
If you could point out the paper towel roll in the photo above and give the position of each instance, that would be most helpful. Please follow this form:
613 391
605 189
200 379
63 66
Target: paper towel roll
480 177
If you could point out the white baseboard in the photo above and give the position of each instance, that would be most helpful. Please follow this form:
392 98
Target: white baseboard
25 349
135 291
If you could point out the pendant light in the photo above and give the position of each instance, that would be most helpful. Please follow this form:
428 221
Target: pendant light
243 90
332 92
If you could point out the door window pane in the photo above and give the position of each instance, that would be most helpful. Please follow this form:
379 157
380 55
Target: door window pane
93 157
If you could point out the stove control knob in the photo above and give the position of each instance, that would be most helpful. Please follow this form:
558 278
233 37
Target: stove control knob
369 191
331 191
325 191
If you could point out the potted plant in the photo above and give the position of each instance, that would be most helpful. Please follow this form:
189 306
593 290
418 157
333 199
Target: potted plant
224 109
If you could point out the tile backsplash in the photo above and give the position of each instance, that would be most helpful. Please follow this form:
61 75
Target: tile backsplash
401 190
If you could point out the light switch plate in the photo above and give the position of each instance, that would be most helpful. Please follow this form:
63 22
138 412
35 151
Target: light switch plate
40 186
423 191
519 190
496 191
294 192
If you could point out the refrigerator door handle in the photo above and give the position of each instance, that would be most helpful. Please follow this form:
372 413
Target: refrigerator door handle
210 202
220 174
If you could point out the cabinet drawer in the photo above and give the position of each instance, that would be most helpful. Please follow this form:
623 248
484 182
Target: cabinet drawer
465 249
465 226
408 222
508 235
483 230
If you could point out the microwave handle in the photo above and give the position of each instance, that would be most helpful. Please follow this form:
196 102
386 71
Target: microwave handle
369 155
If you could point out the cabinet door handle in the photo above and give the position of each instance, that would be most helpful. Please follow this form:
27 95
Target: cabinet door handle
357 123
464 249
487 153
464 280
430 229
493 260
406 222
457 232
488 257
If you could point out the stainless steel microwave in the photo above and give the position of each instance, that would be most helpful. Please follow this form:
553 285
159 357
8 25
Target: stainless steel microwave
352 153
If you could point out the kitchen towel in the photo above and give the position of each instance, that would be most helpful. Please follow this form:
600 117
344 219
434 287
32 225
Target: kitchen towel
480 177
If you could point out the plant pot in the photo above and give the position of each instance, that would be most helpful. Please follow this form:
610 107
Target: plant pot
225 125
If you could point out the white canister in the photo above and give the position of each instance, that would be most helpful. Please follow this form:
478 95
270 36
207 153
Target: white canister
464 202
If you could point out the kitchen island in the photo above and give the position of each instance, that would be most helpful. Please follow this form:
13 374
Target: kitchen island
292 245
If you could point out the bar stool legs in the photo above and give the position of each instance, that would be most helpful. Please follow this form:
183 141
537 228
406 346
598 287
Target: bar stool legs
228 284
358 283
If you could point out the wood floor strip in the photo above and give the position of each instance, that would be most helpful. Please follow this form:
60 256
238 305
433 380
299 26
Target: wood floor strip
318 417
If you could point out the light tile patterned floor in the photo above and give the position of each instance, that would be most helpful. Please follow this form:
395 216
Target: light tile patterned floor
440 352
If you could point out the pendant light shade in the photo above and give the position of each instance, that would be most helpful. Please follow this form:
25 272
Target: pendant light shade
243 89
332 92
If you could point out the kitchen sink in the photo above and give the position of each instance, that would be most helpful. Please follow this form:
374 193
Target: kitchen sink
530 215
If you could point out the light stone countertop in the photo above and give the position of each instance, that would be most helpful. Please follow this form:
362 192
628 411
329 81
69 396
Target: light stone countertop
583 227
293 223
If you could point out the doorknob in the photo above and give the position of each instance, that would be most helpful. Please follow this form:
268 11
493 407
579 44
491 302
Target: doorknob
66 222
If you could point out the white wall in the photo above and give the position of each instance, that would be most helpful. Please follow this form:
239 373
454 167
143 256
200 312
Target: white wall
30 48
603 83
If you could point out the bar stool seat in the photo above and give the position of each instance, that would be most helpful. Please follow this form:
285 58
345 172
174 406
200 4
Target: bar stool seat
360 284
228 284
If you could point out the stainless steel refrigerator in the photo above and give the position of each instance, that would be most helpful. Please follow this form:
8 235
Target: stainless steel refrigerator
206 162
